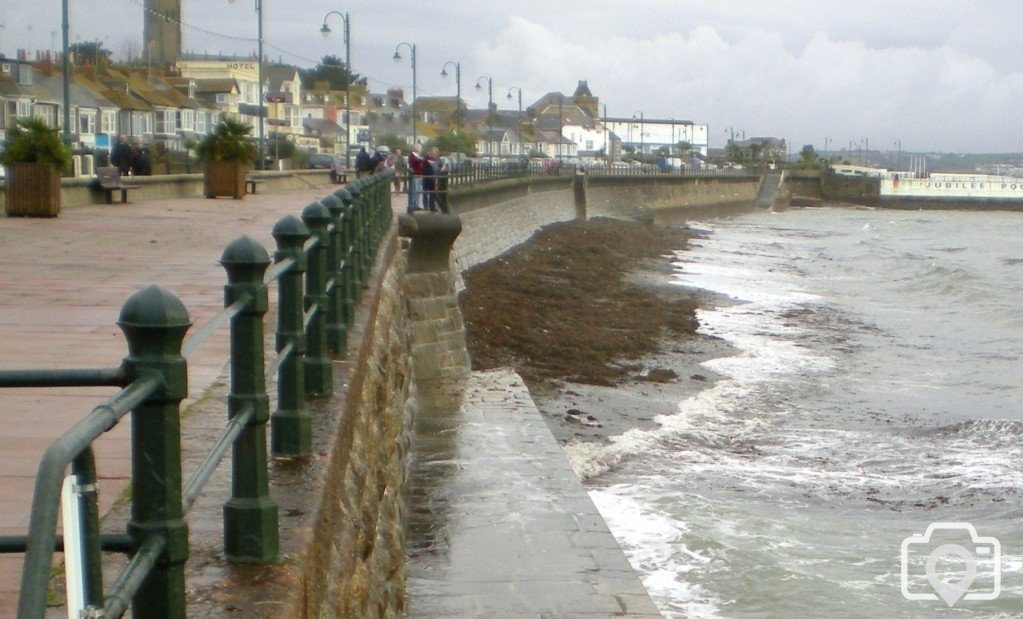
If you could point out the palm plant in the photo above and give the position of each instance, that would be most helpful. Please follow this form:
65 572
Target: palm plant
31 140
229 141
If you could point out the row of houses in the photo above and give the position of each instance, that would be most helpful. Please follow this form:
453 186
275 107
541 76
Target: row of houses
176 109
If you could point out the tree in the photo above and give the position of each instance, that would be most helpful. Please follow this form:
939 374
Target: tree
684 147
448 142
331 69
90 51
392 141
808 159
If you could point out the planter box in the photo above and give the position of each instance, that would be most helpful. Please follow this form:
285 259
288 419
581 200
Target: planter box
224 178
33 190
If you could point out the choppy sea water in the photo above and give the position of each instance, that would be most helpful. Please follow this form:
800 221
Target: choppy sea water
878 389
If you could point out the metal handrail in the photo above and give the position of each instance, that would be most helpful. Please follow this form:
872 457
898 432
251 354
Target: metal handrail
347 227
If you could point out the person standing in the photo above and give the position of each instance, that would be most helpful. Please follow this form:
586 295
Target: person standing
400 172
417 165
120 156
363 163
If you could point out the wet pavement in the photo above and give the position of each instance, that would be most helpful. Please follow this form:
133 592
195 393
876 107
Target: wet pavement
62 284
499 524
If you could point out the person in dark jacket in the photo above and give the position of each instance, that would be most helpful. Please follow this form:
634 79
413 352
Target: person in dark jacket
120 156
363 163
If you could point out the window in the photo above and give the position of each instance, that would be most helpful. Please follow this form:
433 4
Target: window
294 116
48 113
187 120
24 109
86 121
109 123
200 122
589 144
221 98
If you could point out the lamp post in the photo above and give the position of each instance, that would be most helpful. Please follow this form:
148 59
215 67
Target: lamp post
259 76
519 90
642 142
826 140
397 57
490 112
66 29
325 31
458 93
899 144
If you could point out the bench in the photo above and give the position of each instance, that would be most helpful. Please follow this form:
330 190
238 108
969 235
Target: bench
250 184
110 181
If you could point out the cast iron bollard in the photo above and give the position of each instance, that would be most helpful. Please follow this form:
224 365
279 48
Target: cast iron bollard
289 426
250 516
154 322
348 257
337 328
318 373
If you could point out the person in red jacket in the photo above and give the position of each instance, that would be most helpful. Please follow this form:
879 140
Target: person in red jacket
416 165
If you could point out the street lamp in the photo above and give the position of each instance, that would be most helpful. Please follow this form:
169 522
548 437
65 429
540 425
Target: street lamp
458 93
397 57
642 142
520 114
259 75
325 31
899 144
66 28
490 112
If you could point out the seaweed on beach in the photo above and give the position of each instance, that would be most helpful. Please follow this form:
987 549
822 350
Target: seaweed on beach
562 307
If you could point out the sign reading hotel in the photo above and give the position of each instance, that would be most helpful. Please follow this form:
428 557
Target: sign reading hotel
966 187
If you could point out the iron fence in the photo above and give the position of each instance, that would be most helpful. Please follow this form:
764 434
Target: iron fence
321 262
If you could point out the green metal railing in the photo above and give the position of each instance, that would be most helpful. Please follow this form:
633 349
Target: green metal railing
320 264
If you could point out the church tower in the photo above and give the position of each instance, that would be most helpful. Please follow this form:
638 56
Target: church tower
161 43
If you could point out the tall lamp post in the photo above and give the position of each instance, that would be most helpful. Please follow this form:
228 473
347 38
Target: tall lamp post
66 28
516 88
397 57
259 75
458 92
325 31
642 141
899 144
490 112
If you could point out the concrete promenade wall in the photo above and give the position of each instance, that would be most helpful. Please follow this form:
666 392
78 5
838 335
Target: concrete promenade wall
79 191
639 197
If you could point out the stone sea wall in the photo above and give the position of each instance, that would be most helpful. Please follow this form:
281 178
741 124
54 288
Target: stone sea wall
640 197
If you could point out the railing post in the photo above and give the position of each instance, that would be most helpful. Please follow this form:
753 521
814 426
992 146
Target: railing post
373 217
318 371
250 516
154 322
289 426
337 328
365 232
348 256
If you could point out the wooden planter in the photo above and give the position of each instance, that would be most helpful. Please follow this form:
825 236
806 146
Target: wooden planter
33 190
224 178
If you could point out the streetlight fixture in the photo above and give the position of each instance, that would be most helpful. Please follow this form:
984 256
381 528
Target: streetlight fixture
397 58
899 144
325 31
259 75
458 92
490 112
520 114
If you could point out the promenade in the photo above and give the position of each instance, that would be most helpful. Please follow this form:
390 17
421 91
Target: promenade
62 284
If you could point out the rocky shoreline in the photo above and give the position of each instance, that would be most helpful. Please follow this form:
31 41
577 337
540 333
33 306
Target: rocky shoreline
583 314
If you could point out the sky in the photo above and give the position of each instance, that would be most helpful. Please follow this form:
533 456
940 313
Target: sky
920 75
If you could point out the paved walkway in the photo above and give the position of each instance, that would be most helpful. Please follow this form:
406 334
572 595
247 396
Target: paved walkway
62 284
500 525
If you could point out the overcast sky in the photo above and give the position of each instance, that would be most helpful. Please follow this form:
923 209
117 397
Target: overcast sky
939 75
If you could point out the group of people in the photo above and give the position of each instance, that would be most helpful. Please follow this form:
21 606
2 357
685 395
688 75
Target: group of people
131 159
429 181
423 177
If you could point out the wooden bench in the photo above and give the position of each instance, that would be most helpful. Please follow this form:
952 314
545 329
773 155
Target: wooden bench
250 184
110 181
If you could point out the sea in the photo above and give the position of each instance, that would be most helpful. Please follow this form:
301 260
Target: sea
861 454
